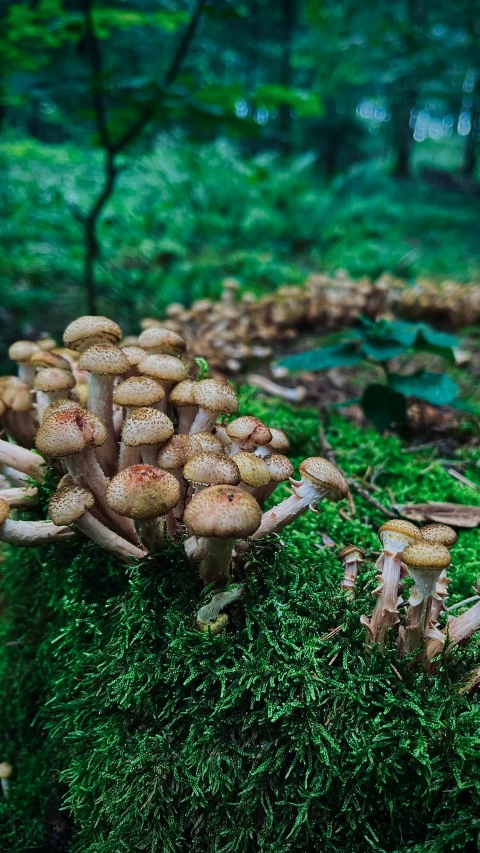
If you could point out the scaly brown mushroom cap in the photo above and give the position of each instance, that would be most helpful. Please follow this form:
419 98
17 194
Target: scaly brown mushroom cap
62 406
138 391
253 470
440 534
4 511
104 359
162 340
45 358
279 440
183 394
88 331
166 368
175 453
223 512
251 429
146 426
212 469
279 466
143 492
215 396
401 527
69 503
69 431
134 354
17 396
325 476
427 556
22 351
54 379
205 442
352 551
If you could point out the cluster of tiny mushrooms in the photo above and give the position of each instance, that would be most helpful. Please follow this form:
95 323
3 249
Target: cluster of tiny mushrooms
148 455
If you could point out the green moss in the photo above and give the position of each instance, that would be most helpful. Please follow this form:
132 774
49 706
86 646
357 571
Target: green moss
275 736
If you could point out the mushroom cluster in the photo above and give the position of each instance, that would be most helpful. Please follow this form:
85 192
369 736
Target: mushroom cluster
240 329
146 453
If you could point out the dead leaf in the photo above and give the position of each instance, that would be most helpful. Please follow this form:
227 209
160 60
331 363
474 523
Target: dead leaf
457 515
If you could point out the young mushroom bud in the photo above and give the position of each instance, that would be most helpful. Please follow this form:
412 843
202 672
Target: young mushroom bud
147 429
210 618
351 557
279 443
70 505
88 331
182 397
221 514
394 535
28 532
103 363
213 398
254 473
426 561
6 771
247 433
162 341
320 480
21 352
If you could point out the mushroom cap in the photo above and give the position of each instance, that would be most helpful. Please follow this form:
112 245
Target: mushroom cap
439 533
69 503
279 440
17 396
68 431
401 527
224 512
104 359
4 511
162 340
134 354
3 408
326 476
54 379
138 391
87 331
253 470
352 551
175 453
216 396
46 343
143 492
212 469
248 428
183 393
280 467
146 426
427 556
205 442
22 351
6 770
46 358
62 406
166 368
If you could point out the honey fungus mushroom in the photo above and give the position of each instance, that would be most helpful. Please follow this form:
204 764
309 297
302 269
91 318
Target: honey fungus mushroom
320 480
221 515
425 561
87 331
213 398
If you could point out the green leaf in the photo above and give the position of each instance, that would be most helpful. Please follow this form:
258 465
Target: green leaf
383 406
403 332
435 388
305 103
382 350
339 355
436 338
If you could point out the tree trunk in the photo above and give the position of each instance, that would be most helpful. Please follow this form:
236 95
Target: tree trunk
288 25
403 133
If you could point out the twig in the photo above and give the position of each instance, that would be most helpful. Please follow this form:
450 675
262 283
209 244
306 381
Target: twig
463 603
462 479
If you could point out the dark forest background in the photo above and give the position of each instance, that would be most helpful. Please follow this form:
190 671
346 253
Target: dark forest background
149 149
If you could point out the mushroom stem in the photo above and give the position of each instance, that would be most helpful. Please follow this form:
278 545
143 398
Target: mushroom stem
385 613
26 372
186 417
438 603
305 495
215 566
32 532
21 426
86 471
23 460
19 497
418 613
100 402
196 548
128 456
97 532
203 422
149 454
293 395
459 628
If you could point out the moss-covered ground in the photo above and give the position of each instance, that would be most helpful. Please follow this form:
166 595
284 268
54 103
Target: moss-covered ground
280 735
